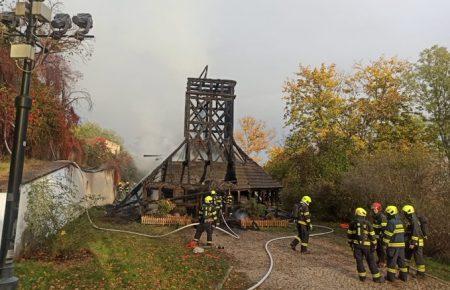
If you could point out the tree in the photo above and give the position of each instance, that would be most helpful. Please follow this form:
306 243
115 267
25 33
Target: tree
381 113
314 106
90 130
254 137
432 91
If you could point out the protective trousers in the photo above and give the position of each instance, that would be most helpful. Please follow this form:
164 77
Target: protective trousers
396 257
361 253
380 252
302 237
204 227
417 253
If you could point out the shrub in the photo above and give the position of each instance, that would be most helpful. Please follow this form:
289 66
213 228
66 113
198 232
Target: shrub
165 206
255 209
51 204
417 177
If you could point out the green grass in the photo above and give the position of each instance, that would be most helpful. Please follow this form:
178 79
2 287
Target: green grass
119 261
438 269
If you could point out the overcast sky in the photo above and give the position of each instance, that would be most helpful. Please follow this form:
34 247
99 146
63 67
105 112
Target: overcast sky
145 50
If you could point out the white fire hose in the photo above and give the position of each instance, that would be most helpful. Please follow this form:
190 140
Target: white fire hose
329 231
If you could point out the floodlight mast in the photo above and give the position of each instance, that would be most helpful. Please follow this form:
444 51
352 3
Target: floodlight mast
23 106
33 11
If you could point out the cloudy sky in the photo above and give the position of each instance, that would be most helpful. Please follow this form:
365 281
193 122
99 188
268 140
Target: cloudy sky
145 50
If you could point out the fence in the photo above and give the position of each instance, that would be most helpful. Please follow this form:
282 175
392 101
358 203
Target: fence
164 221
246 223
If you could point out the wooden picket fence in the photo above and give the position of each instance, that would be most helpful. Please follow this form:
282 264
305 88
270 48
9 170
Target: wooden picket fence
248 223
165 221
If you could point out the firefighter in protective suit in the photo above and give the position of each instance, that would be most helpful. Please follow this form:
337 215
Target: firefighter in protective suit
379 224
302 219
394 242
361 238
207 219
414 240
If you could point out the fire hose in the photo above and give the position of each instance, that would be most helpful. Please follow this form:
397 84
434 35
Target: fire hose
329 231
234 235
147 235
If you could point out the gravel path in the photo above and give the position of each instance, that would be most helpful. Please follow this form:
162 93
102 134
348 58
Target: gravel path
329 266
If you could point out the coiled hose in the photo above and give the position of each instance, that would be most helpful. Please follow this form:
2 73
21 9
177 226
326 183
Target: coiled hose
329 231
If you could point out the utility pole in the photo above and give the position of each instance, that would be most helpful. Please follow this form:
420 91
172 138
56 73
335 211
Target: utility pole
33 12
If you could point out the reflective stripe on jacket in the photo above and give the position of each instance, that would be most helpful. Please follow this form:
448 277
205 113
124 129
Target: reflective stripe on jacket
361 232
208 212
394 234
379 223
413 232
301 213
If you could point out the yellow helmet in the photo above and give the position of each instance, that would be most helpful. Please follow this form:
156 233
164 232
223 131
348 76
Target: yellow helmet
391 210
306 199
360 212
213 192
408 209
208 199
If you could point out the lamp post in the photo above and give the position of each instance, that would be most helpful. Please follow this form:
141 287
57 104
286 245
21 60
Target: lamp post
33 12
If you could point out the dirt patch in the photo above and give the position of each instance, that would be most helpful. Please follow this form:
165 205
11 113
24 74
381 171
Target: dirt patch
329 266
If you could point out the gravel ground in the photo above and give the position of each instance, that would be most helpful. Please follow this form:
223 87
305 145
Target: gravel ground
329 266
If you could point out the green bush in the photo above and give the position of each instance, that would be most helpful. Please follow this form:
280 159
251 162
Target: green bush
254 209
165 206
51 204
416 177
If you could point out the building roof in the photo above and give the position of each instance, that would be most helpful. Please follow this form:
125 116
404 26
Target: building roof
33 170
249 175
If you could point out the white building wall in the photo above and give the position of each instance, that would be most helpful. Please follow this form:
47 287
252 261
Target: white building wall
89 184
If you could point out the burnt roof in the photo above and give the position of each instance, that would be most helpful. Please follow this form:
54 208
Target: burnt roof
249 175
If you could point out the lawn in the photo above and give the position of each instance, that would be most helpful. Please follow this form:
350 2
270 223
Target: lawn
85 258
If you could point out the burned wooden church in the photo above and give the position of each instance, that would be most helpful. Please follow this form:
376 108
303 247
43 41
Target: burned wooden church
208 158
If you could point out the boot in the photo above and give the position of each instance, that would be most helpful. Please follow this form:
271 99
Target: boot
403 277
390 277
379 280
304 250
420 275
362 279
294 244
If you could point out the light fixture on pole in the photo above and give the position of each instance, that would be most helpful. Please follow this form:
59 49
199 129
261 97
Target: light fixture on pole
21 30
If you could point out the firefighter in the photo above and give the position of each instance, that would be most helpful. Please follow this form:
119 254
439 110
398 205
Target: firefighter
217 201
302 219
379 224
394 242
228 202
414 237
207 219
361 238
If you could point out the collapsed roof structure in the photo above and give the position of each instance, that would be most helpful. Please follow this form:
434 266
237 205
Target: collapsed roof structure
208 158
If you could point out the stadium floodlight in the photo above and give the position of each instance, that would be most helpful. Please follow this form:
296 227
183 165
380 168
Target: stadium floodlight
84 22
42 11
62 22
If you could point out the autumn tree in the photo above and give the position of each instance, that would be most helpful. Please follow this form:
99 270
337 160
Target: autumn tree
314 106
432 91
380 109
254 137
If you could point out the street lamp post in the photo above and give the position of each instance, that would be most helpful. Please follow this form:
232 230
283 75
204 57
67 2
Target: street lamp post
33 11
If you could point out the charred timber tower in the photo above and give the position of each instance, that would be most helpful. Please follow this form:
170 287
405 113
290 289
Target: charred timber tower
208 158
208 126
